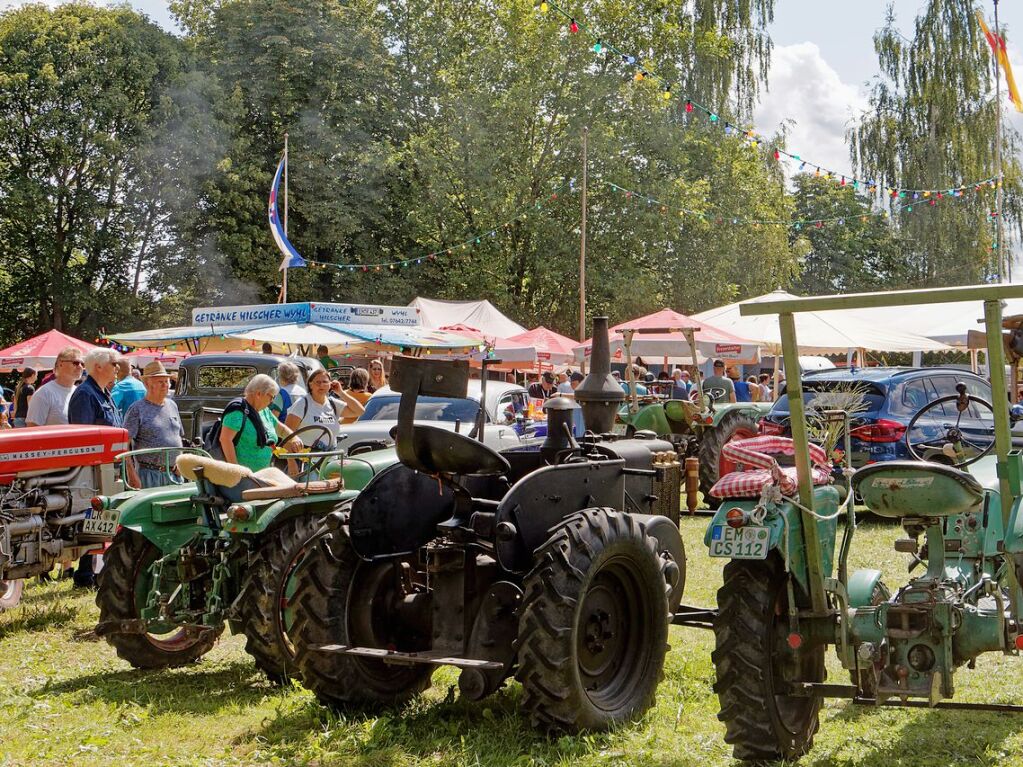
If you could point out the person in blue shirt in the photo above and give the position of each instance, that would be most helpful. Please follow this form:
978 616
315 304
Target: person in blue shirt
742 392
91 404
128 390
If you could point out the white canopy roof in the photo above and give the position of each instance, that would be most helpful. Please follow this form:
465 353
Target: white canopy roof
828 332
480 315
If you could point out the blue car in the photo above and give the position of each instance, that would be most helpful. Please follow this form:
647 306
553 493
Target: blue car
892 396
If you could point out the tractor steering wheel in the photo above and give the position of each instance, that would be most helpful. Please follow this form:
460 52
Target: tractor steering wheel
936 432
322 432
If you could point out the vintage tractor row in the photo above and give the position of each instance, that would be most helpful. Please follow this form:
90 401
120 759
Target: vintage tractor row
216 549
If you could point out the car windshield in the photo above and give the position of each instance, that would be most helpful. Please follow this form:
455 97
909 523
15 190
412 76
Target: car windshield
835 395
385 408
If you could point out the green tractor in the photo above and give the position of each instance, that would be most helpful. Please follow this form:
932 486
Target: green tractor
788 595
191 557
697 429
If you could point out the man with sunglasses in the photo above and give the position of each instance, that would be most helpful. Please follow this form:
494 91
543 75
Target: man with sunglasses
49 404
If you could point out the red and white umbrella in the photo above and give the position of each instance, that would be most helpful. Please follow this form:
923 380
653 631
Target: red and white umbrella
511 353
142 357
40 352
551 348
664 338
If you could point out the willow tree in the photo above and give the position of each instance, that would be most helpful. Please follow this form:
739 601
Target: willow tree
932 125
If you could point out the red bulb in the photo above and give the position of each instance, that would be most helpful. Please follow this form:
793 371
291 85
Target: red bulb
843 180
573 27
795 641
689 106
777 155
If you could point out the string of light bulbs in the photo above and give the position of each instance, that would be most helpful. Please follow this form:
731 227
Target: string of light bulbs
749 134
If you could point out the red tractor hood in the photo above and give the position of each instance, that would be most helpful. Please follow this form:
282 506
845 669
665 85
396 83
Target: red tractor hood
50 448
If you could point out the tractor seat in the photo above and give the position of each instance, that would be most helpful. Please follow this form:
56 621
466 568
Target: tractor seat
237 483
438 451
897 489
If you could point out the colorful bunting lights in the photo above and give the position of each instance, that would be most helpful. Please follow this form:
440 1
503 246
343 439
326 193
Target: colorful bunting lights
474 240
748 135
716 218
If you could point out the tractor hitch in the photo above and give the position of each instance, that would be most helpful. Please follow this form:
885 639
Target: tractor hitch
694 617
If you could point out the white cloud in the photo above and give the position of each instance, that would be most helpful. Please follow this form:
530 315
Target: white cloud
806 95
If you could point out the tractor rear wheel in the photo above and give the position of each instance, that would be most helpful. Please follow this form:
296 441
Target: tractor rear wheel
738 424
341 600
754 663
263 606
123 587
10 594
593 629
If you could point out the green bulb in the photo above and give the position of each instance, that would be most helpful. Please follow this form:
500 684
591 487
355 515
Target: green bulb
597 48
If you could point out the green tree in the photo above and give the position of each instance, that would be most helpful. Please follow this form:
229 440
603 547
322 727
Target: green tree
846 247
80 89
932 125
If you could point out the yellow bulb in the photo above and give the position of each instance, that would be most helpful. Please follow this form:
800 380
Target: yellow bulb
639 76
667 95
543 7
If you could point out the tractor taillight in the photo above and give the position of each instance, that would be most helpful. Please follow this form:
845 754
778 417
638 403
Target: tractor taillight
735 518
1019 642
98 503
240 512
770 428
882 430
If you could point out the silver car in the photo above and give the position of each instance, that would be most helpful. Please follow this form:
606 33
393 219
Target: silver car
505 422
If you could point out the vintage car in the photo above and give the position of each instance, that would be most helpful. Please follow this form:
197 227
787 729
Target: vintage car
207 382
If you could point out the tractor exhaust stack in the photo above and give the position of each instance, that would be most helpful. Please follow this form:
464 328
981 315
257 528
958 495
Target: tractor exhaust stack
599 394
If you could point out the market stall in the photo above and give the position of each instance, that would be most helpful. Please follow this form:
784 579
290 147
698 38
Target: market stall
40 352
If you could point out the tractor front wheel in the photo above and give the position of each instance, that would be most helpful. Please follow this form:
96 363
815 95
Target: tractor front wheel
10 594
340 600
738 424
593 629
754 664
123 585
263 607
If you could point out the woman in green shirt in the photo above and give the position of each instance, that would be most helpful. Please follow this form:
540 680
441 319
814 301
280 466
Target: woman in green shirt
252 449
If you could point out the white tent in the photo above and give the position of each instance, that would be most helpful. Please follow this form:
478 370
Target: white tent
824 332
479 315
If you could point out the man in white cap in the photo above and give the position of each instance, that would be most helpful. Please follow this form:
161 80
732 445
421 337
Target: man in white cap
153 422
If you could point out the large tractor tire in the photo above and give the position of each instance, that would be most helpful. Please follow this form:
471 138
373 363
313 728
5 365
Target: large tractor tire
263 612
753 662
341 600
593 629
123 585
738 424
10 594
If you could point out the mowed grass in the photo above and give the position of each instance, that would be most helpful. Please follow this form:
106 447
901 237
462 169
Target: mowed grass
65 698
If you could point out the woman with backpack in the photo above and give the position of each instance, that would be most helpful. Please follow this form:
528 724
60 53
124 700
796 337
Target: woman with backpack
318 408
248 429
23 395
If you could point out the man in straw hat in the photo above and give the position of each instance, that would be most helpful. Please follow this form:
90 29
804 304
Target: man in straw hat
153 422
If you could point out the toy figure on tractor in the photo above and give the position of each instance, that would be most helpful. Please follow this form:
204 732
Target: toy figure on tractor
699 428
189 557
787 596
559 564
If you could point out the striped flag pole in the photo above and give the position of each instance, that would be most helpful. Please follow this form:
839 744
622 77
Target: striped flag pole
279 224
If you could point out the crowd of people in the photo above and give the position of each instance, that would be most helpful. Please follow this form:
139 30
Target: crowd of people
102 388
724 385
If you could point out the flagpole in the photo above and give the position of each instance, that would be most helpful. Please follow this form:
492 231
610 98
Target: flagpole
1004 259
582 246
284 290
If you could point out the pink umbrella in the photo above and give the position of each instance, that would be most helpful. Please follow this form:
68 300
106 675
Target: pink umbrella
142 357
551 348
671 342
511 353
41 351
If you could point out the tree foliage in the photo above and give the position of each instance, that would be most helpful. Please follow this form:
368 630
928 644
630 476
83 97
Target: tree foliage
932 124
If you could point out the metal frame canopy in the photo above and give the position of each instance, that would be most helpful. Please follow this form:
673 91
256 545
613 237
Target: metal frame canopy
992 297
356 327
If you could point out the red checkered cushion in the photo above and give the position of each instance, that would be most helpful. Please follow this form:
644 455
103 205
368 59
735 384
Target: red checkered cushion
757 453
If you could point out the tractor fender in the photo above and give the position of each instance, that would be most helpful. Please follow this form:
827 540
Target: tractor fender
755 410
669 540
792 546
266 514
163 515
648 418
861 587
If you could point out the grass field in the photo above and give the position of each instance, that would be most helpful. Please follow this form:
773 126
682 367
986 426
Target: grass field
65 698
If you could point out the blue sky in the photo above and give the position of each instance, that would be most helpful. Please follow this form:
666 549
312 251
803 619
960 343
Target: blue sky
822 61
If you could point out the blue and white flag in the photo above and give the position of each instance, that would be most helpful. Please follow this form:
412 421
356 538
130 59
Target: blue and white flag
292 259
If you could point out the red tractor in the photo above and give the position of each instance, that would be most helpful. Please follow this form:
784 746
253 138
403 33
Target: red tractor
48 478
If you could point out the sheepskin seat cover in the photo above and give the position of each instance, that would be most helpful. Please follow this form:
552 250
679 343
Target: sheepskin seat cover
219 473
271 475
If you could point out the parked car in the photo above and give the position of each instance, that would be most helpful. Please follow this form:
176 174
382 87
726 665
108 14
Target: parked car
505 427
207 382
892 396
